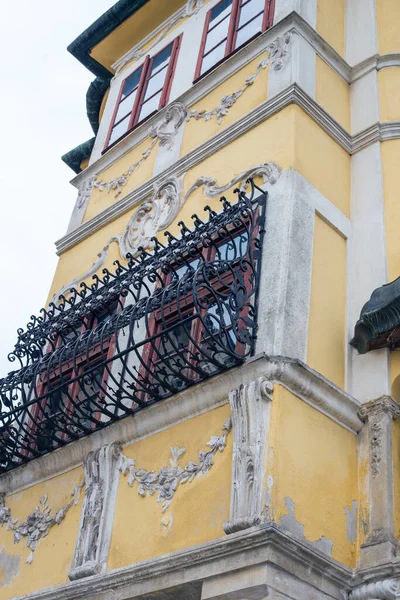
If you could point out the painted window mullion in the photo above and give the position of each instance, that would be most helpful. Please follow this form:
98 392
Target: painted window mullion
140 91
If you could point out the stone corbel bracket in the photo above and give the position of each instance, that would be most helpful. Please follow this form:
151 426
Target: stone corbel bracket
93 542
250 410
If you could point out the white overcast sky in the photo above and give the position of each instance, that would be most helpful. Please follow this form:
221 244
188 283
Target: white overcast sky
42 116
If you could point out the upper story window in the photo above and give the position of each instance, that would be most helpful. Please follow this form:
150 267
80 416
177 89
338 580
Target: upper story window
229 25
144 92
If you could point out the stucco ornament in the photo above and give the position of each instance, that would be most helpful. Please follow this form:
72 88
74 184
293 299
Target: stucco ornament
388 589
174 117
85 191
191 8
277 56
157 213
168 128
38 524
166 481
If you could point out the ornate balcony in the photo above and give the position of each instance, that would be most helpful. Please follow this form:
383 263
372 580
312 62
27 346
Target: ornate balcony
166 321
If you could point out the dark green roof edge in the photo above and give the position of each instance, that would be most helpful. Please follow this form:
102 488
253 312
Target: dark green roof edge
93 35
94 98
74 157
379 315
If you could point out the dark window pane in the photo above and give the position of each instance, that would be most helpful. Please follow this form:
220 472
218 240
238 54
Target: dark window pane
175 340
162 59
221 10
131 83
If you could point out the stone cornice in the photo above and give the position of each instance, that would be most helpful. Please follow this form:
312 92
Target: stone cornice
302 381
266 543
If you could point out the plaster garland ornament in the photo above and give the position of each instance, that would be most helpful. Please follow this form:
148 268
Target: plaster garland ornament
167 480
157 213
388 589
165 132
277 57
191 8
38 524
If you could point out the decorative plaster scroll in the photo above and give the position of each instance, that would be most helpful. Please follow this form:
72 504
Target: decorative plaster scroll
277 57
250 417
167 480
192 7
91 550
388 589
161 210
38 524
168 128
85 191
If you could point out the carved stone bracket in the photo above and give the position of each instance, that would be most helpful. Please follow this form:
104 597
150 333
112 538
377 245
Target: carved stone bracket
101 479
388 589
250 406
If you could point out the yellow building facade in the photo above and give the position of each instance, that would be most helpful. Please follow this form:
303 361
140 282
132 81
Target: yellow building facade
208 406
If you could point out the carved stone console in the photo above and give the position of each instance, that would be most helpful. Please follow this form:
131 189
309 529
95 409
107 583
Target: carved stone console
101 479
250 409
381 545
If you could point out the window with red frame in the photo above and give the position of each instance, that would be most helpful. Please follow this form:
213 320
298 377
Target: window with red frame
144 92
230 25
74 387
182 333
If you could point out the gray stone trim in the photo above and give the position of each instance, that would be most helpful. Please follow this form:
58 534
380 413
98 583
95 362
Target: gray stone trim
250 412
95 529
381 545
267 544
305 383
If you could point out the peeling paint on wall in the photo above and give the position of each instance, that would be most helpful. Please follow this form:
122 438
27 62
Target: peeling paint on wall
9 567
351 519
290 523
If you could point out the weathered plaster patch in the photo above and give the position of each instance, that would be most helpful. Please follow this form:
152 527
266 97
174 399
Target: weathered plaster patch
351 522
268 509
9 567
290 523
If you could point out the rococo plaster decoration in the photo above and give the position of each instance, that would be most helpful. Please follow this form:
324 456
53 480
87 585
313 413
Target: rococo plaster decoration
91 550
191 8
250 417
164 133
277 56
38 524
157 213
167 480
388 589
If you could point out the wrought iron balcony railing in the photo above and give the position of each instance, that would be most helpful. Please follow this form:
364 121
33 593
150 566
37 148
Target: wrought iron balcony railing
166 321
